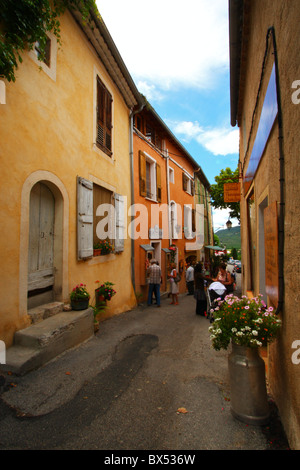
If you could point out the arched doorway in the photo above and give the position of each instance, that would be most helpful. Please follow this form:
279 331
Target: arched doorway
60 290
41 245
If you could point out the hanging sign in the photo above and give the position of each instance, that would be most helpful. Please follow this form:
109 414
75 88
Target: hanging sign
232 192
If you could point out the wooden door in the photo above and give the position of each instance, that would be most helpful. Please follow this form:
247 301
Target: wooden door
41 238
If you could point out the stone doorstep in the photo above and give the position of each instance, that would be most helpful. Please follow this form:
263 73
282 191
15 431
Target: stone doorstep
41 342
42 312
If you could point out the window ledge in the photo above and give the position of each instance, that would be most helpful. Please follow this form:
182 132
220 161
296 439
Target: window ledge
103 154
150 199
102 258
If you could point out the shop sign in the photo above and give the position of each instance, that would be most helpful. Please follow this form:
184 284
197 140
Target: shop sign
232 192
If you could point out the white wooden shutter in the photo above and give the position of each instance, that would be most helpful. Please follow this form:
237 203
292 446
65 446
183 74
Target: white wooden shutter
120 223
84 218
188 221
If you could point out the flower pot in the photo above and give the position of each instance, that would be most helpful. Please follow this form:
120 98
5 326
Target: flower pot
81 304
249 402
97 252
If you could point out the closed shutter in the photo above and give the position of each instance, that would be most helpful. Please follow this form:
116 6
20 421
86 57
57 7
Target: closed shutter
158 183
119 223
193 188
104 118
184 182
84 218
142 174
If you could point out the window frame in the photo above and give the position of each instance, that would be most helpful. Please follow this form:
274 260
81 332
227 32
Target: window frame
48 68
86 219
188 184
150 181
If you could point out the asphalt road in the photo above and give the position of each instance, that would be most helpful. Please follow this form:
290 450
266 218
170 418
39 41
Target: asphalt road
148 380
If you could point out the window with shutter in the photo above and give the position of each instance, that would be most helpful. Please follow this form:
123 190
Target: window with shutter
84 218
188 184
103 214
104 118
150 177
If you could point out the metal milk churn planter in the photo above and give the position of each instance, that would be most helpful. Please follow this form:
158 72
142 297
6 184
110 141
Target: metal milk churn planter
249 402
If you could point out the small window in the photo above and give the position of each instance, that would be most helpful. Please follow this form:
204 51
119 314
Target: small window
104 118
102 197
188 184
150 177
171 175
43 53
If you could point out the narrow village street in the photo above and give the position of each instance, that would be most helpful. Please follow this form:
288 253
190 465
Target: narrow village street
148 380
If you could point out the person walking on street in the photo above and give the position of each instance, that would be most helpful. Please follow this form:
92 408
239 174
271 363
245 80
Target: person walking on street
200 295
189 277
225 278
154 274
174 285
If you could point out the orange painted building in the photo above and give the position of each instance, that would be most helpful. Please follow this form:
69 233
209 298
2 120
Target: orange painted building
164 202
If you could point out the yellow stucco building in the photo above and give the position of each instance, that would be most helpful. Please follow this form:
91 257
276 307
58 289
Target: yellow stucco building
65 149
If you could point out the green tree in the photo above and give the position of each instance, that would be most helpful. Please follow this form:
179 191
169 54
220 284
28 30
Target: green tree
217 192
25 22
216 240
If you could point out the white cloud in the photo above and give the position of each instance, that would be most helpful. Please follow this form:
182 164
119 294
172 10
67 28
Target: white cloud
170 43
220 217
218 141
150 91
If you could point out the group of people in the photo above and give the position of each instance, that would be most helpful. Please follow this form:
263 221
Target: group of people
221 283
154 277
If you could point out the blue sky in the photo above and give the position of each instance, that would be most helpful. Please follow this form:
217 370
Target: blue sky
178 55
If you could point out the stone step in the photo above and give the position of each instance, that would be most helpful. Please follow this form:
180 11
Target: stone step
41 342
42 312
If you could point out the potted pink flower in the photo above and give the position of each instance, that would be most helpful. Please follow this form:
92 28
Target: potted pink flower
79 297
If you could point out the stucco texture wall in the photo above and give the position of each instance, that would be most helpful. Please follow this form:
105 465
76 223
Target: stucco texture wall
284 375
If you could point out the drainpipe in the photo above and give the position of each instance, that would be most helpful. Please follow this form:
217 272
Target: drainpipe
271 31
132 114
168 197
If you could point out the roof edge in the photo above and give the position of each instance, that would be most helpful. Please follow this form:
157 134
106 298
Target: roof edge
103 31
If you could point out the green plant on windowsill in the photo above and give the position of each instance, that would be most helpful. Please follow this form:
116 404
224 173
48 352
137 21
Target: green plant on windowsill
103 247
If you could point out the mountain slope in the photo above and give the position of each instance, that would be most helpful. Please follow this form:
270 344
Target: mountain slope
231 238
